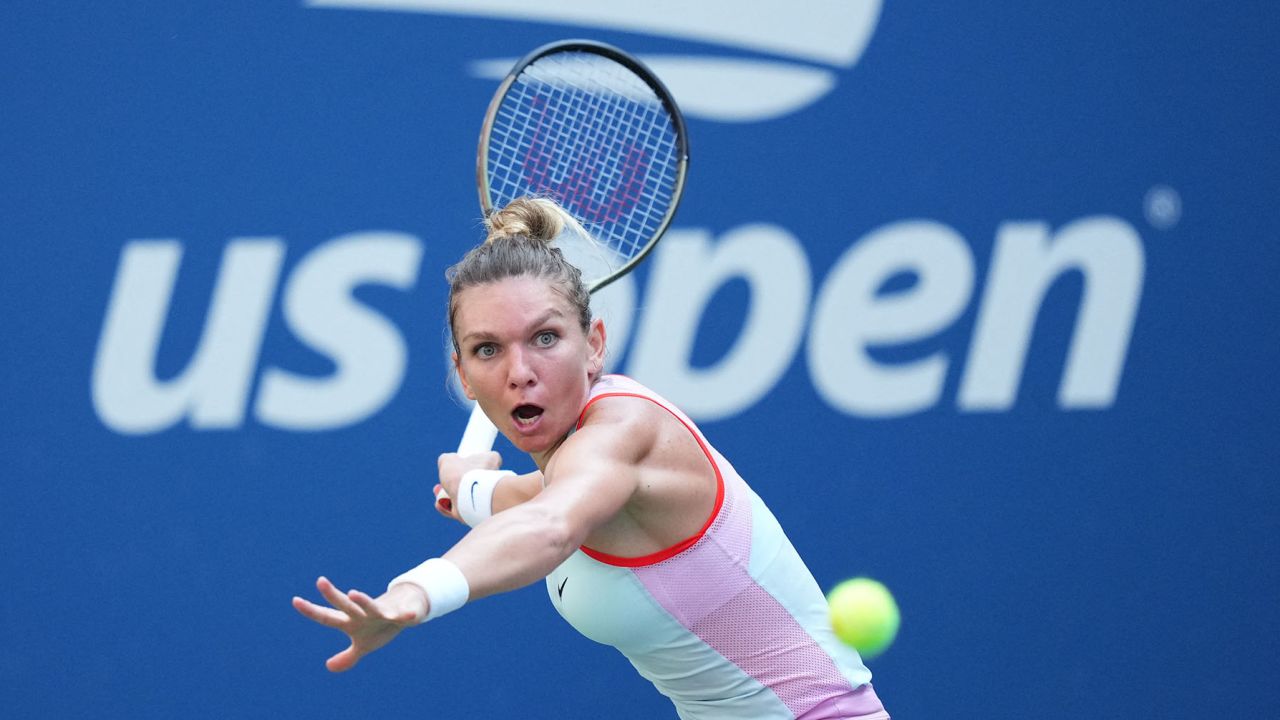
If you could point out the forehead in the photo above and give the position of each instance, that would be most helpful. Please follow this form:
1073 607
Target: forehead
511 302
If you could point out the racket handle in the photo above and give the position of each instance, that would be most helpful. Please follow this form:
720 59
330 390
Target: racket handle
477 438
479 435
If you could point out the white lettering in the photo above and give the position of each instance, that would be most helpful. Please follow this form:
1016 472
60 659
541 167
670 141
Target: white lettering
850 315
126 394
1027 260
368 350
687 271
855 314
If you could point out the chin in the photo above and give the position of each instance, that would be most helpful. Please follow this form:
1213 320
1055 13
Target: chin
533 445
537 443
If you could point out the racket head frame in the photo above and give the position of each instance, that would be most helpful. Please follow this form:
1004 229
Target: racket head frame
641 71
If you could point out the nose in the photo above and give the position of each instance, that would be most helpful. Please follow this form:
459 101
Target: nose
519 372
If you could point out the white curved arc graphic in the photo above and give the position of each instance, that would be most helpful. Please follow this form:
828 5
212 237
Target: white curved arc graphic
833 32
720 88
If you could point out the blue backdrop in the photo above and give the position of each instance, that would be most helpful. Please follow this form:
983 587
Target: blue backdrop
989 317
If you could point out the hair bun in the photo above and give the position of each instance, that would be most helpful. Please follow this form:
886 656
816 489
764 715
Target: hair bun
527 217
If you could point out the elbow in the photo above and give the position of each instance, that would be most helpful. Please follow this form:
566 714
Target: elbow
562 539
556 536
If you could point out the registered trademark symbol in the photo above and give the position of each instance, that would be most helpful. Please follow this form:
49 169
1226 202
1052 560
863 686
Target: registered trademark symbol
1162 206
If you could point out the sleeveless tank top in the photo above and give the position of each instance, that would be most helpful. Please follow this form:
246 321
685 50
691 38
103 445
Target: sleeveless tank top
728 624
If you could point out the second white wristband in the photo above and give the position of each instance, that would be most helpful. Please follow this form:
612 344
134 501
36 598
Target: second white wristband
475 494
445 585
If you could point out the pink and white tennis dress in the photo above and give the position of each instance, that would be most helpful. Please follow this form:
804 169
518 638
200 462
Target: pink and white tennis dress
729 624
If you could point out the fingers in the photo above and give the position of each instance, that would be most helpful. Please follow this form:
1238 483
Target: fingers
366 603
392 614
453 463
351 612
323 615
444 504
337 599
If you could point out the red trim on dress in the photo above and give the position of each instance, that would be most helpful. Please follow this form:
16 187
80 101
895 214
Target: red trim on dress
685 544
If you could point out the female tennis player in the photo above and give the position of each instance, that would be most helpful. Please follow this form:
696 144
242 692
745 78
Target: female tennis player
646 536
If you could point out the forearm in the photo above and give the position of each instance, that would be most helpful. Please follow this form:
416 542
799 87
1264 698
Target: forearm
516 490
512 549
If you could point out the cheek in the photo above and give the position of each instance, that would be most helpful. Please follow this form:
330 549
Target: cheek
478 374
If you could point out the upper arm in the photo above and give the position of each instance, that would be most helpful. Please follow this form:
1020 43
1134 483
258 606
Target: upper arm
596 472
589 481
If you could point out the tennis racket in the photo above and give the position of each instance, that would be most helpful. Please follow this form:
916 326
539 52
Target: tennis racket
591 127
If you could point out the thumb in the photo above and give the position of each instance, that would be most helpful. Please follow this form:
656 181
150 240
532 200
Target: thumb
344 660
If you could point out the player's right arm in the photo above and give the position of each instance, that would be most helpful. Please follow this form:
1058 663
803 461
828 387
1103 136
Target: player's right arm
591 479
516 490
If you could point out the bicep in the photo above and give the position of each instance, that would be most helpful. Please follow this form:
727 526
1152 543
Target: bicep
591 479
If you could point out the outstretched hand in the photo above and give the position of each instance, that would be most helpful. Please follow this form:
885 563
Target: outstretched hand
370 623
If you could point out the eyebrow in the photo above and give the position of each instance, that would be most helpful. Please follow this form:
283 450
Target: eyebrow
542 320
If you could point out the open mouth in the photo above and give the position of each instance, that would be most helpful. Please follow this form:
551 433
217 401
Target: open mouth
526 415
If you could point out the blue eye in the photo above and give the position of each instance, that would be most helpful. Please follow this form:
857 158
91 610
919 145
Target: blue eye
546 338
485 350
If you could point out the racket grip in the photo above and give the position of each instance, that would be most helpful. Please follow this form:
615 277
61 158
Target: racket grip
479 435
477 438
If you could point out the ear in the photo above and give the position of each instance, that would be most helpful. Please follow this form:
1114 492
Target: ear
596 348
462 377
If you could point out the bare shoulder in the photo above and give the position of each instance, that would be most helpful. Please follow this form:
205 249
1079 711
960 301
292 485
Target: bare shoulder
647 435
617 433
629 425
596 472
671 482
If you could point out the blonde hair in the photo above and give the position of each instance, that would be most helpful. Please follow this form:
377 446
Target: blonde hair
519 243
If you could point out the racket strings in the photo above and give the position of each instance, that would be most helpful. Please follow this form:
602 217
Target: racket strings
588 132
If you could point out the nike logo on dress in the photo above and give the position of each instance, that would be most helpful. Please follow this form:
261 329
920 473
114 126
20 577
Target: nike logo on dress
560 590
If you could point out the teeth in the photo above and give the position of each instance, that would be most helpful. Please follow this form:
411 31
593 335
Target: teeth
526 415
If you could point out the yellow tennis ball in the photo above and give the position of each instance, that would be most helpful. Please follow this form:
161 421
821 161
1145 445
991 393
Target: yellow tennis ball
864 615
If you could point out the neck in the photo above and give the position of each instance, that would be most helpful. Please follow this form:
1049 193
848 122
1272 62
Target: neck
543 458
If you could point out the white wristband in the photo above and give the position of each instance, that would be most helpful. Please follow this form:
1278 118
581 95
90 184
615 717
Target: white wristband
445 585
475 494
